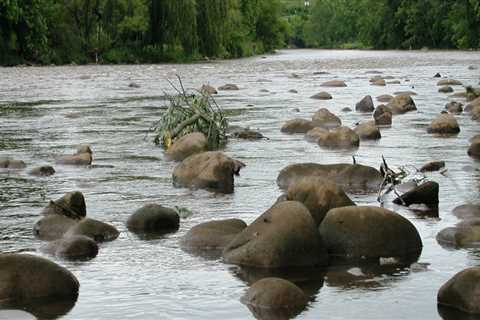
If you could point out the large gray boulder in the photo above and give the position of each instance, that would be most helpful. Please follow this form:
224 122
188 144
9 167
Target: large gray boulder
364 232
474 149
467 211
461 291
349 176
319 196
322 96
284 236
449 82
210 170
26 277
212 235
187 145
153 218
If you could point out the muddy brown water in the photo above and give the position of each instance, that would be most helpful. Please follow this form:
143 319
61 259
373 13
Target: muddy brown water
52 109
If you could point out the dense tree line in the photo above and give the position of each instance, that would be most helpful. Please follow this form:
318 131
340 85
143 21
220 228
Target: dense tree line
383 24
64 31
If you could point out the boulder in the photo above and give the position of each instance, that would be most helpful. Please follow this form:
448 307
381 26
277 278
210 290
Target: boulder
72 248
394 82
467 211
454 107
401 104
207 170
348 176
228 87
284 236
382 115
461 291
8 163
341 137
385 98
449 82
71 205
82 157
474 149
444 123
346 109
365 105
275 298
315 134
369 233
445 89
94 229
297 126
379 82
208 89
426 193
334 83
376 78
368 131
465 234
475 113
469 107
246 133
318 195
437 75
432 166
153 218
53 226
461 94
213 235
43 171
322 96
26 277
189 144
325 119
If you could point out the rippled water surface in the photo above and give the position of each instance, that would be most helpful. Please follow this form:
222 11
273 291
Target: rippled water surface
53 109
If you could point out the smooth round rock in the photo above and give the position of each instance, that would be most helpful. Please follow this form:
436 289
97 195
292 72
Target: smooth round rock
187 145
325 119
72 248
402 104
322 96
94 229
334 83
462 291
154 218
341 137
213 235
275 293
365 232
467 211
43 171
444 124
297 126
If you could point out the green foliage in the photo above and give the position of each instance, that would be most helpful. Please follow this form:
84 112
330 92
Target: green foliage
125 31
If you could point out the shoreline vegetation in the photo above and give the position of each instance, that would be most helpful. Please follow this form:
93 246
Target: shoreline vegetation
59 32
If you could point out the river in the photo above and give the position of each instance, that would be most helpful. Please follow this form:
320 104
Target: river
53 109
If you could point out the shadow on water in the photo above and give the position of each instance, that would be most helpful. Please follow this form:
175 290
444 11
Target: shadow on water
42 309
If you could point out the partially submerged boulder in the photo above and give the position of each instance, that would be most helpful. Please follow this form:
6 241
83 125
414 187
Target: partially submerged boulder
284 236
454 107
208 89
153 218
26 277
297 126
71 205
383 115
53 226
341 137
432 166
72 248
82 157
94 229
461 291
349 176
474 149
467 211
368 131
385 98
208 170
379 82
8 163
449 82
229 87
212 235
465 234
322 96
402 104
189 144
365 105
444 123
426 193
445 89
43 171
364 232
315 134
334 83
275 298
318 195
325 119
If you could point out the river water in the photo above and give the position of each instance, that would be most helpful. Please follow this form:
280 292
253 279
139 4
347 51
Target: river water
53 109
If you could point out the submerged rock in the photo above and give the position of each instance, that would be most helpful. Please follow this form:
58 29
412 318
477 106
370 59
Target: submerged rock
43 171
369 233
474 149
322 96
53 226
426 193
349 176
368 131
465 234
297 126
213 235
334 83
467 211
341 137
461 291
208 89
189 144
384 98
72 248
445 89
94 229
25 277
207 170
454 107
444 124
284 236
154 218
83 156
